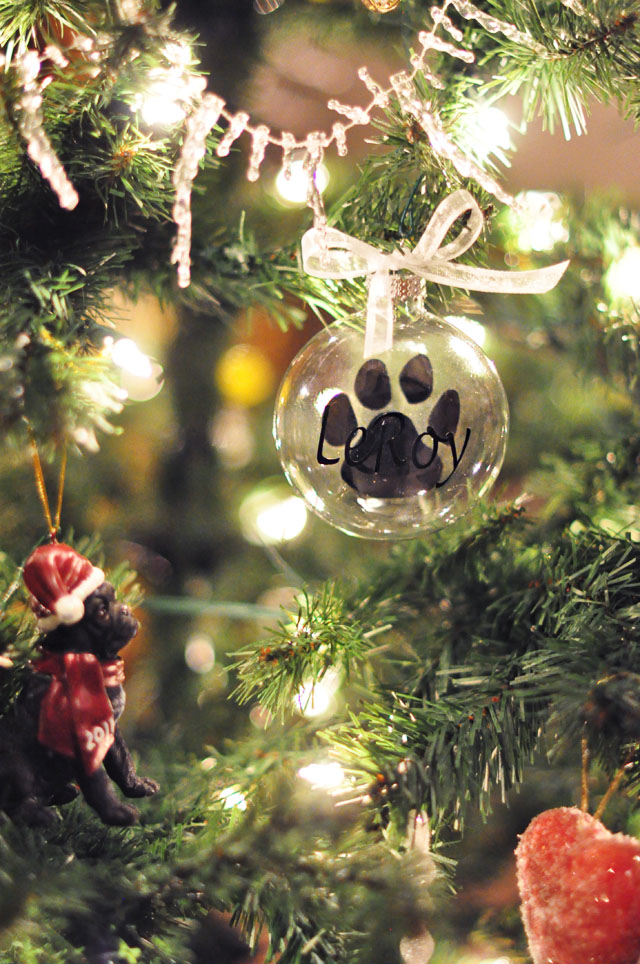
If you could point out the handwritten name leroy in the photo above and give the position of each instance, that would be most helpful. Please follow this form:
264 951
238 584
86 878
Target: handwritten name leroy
391 431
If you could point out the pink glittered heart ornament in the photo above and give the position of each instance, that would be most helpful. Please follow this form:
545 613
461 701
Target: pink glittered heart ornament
580 890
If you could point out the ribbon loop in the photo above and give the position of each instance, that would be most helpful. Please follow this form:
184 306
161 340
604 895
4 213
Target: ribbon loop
442 219
328 253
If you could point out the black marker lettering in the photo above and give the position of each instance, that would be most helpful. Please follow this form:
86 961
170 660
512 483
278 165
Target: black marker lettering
414 451
322 459
348 448
450 441
383 422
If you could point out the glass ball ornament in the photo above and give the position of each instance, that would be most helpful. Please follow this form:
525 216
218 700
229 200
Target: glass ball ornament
397 445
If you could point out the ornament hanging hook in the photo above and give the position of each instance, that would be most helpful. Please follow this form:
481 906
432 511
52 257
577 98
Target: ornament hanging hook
53 522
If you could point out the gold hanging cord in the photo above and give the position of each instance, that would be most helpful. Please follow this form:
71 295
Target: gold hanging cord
53 523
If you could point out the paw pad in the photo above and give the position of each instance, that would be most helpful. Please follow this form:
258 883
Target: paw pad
389 457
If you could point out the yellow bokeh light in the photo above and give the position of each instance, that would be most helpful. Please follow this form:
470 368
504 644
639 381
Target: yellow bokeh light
244 376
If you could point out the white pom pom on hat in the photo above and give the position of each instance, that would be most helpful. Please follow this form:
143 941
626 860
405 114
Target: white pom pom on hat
59 579
69 609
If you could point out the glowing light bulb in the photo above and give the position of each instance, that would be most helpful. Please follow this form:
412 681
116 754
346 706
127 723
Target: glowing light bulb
319 699
484 130
126 355
271 515
623 277
323 776
170 92
294 187
141 377
233 798
540 226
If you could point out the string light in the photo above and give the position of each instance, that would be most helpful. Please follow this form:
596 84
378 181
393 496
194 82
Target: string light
233 798
126 355
484 130
141 377
324 775
170 91
539 223
292 182
623 277
271 515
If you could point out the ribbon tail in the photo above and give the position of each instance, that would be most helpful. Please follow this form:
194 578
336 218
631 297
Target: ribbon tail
378 333
535 282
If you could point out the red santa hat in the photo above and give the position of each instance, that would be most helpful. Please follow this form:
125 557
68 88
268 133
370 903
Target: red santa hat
59 580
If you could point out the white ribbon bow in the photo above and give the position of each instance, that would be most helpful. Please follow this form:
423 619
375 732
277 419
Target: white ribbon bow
328 253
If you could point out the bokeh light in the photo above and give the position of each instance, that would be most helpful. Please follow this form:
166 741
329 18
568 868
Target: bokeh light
623 277
199 654
140 376
325 775
540 221
233 798
245 376
271 515
294 187
484 130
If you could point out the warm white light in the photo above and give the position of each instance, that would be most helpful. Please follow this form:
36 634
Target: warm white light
294 187
485 130
473 329
319 699
233 799
272 516
167 98
323 776
126 355
161 105
623 277
199 654
141 377
231 434
540 226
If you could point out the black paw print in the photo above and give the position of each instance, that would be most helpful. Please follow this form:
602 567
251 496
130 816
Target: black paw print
389 458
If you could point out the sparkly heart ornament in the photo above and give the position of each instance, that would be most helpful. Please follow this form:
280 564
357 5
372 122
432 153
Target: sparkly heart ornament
580 890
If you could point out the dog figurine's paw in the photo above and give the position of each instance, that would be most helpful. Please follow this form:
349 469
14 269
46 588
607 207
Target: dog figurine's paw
143 787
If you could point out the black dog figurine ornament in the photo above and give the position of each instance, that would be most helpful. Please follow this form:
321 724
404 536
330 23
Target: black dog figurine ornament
62 733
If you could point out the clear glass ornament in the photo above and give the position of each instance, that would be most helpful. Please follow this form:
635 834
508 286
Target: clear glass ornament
398 445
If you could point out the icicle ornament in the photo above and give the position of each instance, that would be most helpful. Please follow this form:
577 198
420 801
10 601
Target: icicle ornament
199 125
260 139
237 126
313 158
30 124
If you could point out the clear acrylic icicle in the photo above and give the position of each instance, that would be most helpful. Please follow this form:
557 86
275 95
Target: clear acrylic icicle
30 124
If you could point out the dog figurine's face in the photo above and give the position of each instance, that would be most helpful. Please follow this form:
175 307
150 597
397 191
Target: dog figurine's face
105 629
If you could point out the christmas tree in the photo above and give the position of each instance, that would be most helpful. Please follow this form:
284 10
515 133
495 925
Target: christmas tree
350 735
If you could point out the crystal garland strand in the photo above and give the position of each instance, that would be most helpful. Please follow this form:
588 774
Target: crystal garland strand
313 145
